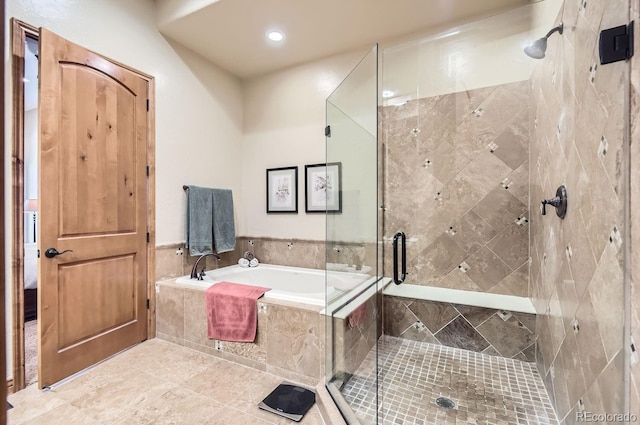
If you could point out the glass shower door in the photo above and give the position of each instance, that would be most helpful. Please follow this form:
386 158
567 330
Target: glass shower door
351 182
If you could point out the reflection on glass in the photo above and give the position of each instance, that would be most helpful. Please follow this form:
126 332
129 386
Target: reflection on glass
353 230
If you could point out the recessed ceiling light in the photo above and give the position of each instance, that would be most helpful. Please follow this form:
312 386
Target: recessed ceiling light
388 93
275 36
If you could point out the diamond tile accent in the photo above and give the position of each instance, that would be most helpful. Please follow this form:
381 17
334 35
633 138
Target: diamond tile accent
450 172
505 333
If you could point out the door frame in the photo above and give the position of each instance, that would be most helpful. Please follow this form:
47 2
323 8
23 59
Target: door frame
19 32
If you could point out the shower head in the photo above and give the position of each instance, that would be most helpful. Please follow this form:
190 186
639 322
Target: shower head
537 49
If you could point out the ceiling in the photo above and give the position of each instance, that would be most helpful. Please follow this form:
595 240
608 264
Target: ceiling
232 33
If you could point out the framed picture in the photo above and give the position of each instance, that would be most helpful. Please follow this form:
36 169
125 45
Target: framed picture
323 188
282 190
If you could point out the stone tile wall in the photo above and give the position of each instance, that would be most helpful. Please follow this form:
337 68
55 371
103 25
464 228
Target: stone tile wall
456 183
634 258
174 261
578 139
483 330
353 341
289 340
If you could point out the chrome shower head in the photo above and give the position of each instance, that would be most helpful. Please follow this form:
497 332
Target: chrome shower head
537 49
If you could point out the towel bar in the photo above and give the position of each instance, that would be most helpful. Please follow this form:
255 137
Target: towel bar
185 187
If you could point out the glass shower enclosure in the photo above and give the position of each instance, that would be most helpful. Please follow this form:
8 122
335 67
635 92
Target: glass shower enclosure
450 295
353 277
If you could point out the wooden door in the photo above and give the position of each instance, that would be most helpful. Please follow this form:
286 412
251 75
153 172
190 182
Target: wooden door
93 197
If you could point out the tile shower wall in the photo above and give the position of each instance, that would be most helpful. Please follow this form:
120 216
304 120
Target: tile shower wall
353 340
578 123
457 185
483 330
634 258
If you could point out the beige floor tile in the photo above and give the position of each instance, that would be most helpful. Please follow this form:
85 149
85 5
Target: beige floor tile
224 381
155 382
63 415
176 365
178 406
138 356
31 403
231 416
109 397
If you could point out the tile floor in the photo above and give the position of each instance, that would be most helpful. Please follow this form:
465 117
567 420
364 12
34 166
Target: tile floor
155 382
487 389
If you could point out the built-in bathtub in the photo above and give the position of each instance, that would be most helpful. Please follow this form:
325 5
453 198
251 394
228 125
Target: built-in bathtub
294 284
290 339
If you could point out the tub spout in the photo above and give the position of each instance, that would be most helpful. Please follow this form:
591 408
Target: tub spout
194 270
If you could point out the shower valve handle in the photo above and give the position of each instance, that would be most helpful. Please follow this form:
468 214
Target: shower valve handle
555 201
559 202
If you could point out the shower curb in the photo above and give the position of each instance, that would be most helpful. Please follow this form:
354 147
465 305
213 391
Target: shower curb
328 410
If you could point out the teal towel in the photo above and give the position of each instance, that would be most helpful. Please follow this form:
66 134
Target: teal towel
199 220
224 231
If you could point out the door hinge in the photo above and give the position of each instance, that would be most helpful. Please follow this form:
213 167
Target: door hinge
148 237
147 104
327 131
38 253
148 171
616 44
148 304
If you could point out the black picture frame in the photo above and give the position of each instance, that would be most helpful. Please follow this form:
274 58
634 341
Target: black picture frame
282 190
323 184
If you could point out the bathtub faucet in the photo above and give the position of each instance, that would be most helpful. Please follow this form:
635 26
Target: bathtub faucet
194 270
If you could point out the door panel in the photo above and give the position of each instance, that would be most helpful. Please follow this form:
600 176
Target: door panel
102 129
93 148
88 315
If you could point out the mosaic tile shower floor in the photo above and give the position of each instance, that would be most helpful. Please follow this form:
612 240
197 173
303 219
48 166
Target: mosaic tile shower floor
487 389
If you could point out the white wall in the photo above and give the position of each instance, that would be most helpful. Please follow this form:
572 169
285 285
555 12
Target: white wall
198 106
284 120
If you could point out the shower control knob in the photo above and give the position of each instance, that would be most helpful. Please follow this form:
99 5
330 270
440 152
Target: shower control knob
559 202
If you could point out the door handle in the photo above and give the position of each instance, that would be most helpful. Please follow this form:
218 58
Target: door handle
403 238
52 252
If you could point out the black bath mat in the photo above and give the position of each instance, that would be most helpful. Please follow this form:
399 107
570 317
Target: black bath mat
289 400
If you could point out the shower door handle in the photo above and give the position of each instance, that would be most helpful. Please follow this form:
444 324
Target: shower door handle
403 240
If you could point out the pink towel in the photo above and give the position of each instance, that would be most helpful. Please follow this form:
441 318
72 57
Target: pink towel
357 316
232 312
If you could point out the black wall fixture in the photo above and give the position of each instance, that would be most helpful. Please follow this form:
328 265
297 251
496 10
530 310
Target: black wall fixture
616 44
559 202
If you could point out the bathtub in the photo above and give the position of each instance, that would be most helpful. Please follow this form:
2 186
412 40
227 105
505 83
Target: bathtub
293 284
